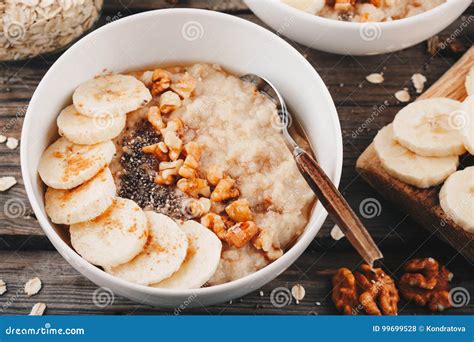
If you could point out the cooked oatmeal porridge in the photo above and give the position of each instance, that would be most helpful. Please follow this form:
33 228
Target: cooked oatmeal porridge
364 10
206 147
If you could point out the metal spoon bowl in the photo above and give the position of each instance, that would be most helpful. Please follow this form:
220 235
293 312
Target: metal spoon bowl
320 183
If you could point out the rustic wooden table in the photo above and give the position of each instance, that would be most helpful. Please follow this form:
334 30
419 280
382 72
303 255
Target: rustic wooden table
25 252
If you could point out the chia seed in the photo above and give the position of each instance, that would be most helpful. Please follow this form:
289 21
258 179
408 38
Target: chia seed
139 170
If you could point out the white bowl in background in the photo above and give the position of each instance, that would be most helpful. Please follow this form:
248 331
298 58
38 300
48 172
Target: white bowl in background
348 38
180 36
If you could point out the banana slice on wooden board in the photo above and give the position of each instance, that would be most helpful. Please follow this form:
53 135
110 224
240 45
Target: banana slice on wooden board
309 6
470 82
162 256
457 198
467 123
111 95
409 167
83 203
430 128
84 130
204 253
65 165
113 238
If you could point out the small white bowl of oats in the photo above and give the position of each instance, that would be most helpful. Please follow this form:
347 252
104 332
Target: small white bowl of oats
162 175
358 27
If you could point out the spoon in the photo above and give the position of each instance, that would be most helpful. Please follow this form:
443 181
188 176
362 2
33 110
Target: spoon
325 190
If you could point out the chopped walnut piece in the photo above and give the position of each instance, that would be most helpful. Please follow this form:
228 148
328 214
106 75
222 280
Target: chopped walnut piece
241 233
161 180
159 150
344 5
425 284
224 190
370 291
239 210
193 149
174 143
264 242
184 85
215 174
344 292
169 101
194 187
215 223
174 165
188 170
197 207
379 294
161 80
175 125
154 117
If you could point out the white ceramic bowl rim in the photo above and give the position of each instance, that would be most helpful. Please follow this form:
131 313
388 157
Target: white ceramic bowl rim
55 238
356 25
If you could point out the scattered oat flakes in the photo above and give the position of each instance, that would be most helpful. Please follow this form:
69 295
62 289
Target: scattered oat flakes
418 82
403 95
12 143
2 139
375 78
38 309
318 303
7 182
33 286
261 293
3 287
298 292
336 233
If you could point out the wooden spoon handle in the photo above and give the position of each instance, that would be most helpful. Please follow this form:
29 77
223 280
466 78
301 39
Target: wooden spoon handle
337 207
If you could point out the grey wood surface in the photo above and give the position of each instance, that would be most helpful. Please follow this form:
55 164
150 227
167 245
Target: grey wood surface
25 251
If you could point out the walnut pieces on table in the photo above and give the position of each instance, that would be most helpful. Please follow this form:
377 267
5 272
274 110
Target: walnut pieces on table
426 284
368 291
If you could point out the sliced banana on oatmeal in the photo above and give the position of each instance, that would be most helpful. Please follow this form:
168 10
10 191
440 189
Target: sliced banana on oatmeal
113 238
429 128
309 6
470 82
467 123
65 165
204 252
83 203
162 256
84 130
110 95
409 167
456 198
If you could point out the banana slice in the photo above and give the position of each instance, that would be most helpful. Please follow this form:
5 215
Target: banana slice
65 165
456 198
163 254
204 253
111 95
467 123
470 82
83 203
429 128
113 238
84 130
309 6
409 167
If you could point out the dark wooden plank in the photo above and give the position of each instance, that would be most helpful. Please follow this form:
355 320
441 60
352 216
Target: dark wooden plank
65 291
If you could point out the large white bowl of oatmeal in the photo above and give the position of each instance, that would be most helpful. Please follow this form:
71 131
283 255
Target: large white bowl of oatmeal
222 155
358 27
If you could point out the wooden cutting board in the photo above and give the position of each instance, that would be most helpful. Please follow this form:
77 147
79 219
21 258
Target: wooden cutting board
423 204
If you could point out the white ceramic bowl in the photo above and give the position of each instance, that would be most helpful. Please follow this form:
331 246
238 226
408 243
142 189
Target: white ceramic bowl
179 36
355 38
